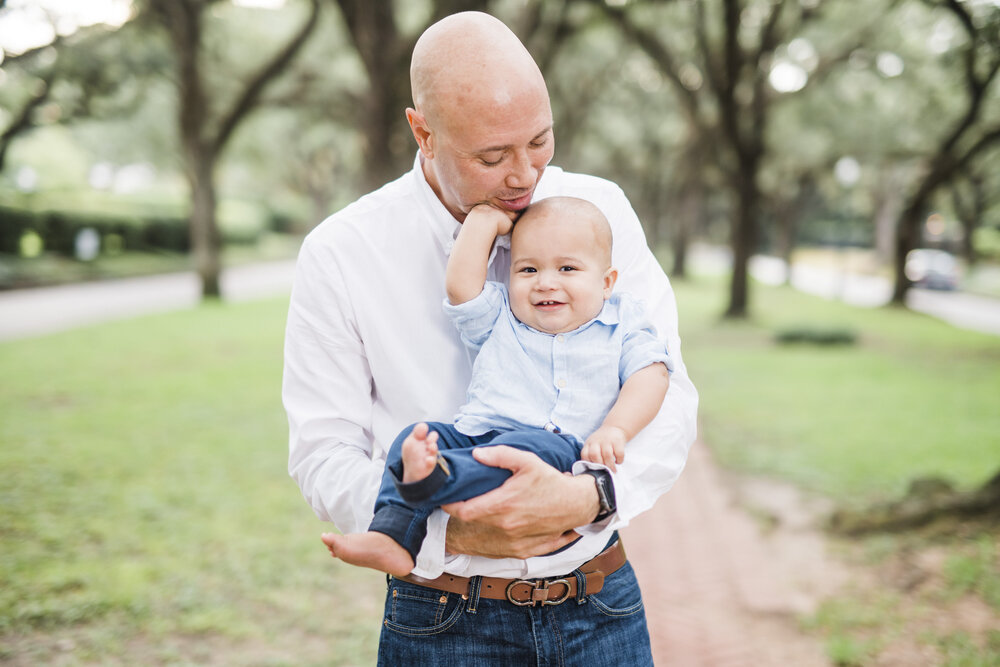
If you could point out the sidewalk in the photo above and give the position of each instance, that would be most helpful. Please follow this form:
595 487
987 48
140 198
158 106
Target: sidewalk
719 592
34 312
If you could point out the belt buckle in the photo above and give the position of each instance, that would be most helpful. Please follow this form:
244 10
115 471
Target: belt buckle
539 592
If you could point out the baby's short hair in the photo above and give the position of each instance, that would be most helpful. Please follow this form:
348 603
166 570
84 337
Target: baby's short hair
583 209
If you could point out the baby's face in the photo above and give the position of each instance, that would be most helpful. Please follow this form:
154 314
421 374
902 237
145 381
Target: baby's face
559 272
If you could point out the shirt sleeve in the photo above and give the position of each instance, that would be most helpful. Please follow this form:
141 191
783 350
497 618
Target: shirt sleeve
655 457
326 391
640 345
475 318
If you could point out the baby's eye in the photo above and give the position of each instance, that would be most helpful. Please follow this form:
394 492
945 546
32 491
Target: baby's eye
567 268
527 269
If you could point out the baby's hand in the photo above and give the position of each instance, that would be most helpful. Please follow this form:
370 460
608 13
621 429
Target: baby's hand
606 446
486 214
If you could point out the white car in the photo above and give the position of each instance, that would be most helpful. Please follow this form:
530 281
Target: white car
933 269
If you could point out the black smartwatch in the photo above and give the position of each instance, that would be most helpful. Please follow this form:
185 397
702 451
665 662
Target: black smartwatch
605 493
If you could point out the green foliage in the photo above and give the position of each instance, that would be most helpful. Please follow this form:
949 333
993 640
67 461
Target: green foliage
144 505
961 651
811 335
986 241
846 651
977 570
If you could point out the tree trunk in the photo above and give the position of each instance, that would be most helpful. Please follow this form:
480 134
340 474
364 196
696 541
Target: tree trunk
206 240
690 211
743 238
907 236
887 209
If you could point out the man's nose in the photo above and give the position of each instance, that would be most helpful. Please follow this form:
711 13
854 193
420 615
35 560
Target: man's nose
522 173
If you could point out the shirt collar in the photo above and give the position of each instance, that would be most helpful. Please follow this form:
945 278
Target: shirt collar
608 317
609 312
443 224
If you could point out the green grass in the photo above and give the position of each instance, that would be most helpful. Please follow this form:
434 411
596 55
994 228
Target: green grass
913 397
145 512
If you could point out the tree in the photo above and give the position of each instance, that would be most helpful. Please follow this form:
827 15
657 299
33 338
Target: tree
724 87
966 136
77 77
205 131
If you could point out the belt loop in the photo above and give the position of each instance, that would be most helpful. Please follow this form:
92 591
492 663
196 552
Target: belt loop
581 586
475 583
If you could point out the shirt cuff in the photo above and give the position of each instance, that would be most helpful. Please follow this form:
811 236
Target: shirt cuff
431 559
610 521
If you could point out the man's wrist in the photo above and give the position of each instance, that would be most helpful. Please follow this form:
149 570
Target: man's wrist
605 486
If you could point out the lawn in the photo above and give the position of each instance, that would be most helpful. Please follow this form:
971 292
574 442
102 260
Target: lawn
146 516
145 513
913 397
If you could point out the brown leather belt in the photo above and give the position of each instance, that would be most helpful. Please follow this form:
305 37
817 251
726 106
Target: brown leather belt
531 592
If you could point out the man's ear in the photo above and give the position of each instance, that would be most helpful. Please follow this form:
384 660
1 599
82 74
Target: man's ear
421 132
610 278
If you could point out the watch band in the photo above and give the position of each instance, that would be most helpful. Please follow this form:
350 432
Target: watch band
605 493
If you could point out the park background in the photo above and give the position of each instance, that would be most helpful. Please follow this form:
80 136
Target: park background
145 513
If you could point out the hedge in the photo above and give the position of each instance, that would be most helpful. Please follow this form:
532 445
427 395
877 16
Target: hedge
134 231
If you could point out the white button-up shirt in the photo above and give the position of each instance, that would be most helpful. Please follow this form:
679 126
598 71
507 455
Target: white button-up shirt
369 350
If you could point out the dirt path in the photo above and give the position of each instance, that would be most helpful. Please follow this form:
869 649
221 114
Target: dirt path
723 587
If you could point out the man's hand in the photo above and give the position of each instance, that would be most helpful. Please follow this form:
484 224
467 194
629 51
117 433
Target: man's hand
531 514
606 446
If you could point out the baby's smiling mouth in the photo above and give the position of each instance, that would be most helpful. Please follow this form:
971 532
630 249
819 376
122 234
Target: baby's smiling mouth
544 304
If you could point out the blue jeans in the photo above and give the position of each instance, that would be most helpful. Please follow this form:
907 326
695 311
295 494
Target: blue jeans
401 509
427 627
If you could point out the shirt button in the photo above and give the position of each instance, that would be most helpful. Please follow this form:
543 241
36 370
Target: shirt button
561 383
560 338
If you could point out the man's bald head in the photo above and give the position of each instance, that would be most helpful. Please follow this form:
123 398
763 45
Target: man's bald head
468 63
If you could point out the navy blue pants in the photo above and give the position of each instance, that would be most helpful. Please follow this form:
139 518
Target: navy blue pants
401 509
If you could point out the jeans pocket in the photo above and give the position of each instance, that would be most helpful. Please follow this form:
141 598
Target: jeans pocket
417 610
620 594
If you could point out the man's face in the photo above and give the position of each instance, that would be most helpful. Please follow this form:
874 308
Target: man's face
559 274
495 154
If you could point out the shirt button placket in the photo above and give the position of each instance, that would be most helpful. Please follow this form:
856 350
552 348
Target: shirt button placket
559 372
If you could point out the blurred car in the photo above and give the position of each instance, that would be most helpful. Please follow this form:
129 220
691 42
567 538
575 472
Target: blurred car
932 269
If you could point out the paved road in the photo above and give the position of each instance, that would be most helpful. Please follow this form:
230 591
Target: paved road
968 311
33 312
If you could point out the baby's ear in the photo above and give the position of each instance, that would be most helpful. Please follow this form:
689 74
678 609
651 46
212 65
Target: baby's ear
610 277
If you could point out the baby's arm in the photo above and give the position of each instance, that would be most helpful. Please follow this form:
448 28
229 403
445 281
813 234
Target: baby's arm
467 265
638 402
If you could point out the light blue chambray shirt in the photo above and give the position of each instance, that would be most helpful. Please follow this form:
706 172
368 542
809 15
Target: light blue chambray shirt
567 382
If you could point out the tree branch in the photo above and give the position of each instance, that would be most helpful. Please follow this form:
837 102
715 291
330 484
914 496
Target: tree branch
23 121
252 92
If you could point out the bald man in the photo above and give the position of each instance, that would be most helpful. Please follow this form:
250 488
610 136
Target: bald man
369 350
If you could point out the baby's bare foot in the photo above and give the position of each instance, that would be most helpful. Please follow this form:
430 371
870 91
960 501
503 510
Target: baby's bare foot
375 550
419 453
